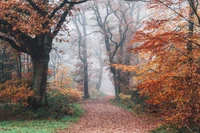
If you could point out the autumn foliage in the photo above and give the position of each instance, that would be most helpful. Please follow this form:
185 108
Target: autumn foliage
69 95
62 78
169 69
15 91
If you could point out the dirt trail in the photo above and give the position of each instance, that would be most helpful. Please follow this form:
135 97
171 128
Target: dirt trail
103 117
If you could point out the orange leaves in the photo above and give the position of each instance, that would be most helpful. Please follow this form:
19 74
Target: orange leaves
15 91
22 17
169 74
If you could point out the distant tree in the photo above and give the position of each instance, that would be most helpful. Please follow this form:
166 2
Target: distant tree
80 24
98 51
117 25
10 62
62 77
55 62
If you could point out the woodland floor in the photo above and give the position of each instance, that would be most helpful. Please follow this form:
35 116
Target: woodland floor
103 117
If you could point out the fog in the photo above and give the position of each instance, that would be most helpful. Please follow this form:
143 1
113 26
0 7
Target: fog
68 52
107 86
69 58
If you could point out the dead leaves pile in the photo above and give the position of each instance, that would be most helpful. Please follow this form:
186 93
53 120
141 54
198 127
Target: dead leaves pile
103 117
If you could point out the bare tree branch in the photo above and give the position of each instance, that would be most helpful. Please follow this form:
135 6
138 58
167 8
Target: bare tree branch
62 5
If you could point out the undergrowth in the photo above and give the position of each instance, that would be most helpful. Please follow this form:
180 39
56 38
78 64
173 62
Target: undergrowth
41 125
62 110
96 94
131 102
174 129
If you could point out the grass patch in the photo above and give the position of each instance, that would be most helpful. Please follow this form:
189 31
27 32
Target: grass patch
36 126
43 125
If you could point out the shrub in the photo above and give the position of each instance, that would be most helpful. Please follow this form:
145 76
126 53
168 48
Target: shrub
60 99
94 93
136 98
76 109
64 95
15 91
126 100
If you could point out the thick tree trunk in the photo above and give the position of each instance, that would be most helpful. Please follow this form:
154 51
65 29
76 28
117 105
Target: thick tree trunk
125 77
39 81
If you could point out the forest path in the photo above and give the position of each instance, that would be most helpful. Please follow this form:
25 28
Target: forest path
103 117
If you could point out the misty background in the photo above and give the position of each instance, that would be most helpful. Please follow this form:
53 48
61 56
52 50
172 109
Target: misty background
86 35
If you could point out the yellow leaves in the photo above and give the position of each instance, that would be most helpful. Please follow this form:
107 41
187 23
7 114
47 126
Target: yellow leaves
71 94
124 97
62 78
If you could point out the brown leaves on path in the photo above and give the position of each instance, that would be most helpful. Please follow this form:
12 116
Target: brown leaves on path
103 117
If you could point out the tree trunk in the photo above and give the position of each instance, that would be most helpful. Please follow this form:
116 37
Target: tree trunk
98 85
19 66
39 81
116 82
86 92
125 77
61 81
28 65
2 66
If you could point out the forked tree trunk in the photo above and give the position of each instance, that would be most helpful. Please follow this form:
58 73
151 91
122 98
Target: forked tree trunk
39 81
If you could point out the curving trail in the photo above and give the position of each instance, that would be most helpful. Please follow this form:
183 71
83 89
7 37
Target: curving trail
103 117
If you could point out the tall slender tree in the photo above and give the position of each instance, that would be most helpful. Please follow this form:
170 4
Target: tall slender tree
80 24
